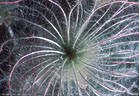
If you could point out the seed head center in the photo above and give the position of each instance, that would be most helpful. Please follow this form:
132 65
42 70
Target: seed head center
70 53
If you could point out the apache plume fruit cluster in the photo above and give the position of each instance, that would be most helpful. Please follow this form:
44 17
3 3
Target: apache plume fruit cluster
73 48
